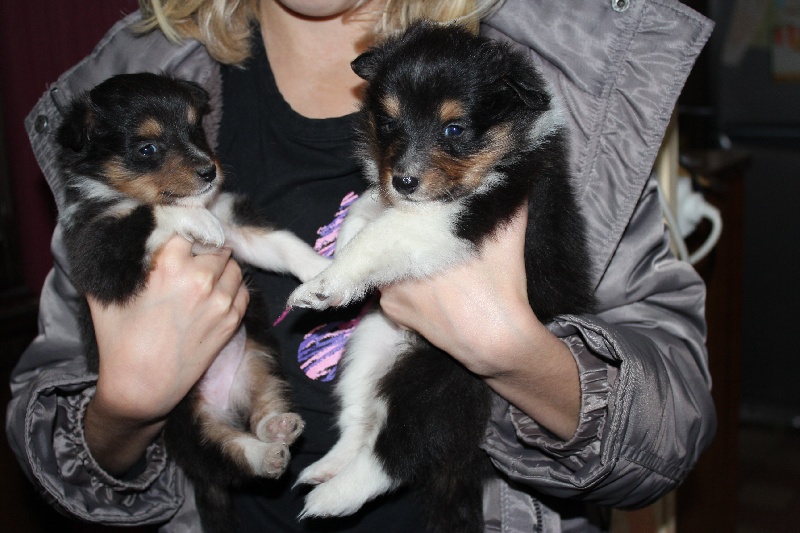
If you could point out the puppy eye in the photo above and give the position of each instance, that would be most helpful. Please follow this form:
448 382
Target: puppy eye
148 149
453 130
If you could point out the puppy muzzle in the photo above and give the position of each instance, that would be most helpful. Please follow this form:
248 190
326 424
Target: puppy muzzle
405 185
208 173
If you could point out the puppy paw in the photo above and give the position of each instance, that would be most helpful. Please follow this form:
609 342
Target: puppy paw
204 229
263 459
321 471
274 461
280 427
321 293
327 500
362 480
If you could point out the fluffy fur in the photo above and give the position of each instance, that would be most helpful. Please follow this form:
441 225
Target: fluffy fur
138 170
456 132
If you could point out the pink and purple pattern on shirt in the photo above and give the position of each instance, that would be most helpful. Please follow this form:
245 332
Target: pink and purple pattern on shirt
322 348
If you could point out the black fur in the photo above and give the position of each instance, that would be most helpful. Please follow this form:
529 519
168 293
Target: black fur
438 411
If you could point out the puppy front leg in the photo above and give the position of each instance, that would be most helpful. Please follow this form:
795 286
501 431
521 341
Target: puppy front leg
255 242
275 251
399 244
367 208
195 224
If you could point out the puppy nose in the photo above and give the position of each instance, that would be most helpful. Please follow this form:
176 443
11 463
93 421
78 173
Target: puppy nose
405 184
208 174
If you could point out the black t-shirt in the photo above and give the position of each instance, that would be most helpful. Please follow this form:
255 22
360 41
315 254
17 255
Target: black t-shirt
302 172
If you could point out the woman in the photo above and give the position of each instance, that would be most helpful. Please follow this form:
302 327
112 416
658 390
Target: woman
593 411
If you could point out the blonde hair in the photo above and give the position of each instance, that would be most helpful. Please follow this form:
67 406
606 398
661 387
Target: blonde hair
224 26
399 14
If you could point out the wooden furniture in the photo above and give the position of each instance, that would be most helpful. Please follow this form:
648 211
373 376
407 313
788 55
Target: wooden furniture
706 501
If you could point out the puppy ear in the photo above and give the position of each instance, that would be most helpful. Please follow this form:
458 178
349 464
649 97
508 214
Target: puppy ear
199 95
513 69
365 65
75 130
532 95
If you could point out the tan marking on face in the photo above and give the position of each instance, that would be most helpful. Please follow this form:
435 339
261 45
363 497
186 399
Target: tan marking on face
173 180
391 105
191 115
450 110
150 129
385 174
447 176
386 191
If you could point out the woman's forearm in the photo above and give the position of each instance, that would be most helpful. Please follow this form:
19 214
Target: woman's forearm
117 444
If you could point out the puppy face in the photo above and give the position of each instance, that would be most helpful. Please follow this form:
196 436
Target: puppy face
142 136
444 111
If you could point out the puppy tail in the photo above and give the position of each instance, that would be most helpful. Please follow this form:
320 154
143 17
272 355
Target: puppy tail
214 506
453 502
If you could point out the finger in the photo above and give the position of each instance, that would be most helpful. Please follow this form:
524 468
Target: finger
215 263
230 279
241 301
175 249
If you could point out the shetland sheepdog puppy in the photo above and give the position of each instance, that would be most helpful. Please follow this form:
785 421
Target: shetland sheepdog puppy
457 132
137 170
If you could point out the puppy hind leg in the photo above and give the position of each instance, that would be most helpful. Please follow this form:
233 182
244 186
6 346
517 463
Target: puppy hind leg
248 454
240 384
370 352
438 412
263 396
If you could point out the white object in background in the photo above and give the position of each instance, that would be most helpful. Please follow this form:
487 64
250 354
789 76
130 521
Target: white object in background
691 208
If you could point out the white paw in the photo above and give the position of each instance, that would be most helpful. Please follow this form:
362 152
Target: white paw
324 469
362 480
328 499
205 229
280 427
321 293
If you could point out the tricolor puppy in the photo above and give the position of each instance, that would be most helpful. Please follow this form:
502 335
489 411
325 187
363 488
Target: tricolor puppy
457 132
137 170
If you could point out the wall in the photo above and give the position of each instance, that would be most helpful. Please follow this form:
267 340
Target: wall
762 116
40 39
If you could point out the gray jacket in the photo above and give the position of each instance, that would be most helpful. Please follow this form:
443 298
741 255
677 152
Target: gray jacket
646 409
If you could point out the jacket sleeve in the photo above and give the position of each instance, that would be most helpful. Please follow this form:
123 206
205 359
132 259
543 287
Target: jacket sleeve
50 390
646 409
647 414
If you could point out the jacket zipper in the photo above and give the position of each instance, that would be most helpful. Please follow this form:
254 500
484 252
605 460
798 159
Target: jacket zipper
537 511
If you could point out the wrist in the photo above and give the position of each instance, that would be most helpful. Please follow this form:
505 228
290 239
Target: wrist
116 441
514 343
536 372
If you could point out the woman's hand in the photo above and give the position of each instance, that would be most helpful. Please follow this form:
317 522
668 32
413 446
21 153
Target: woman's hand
478 312
155 348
